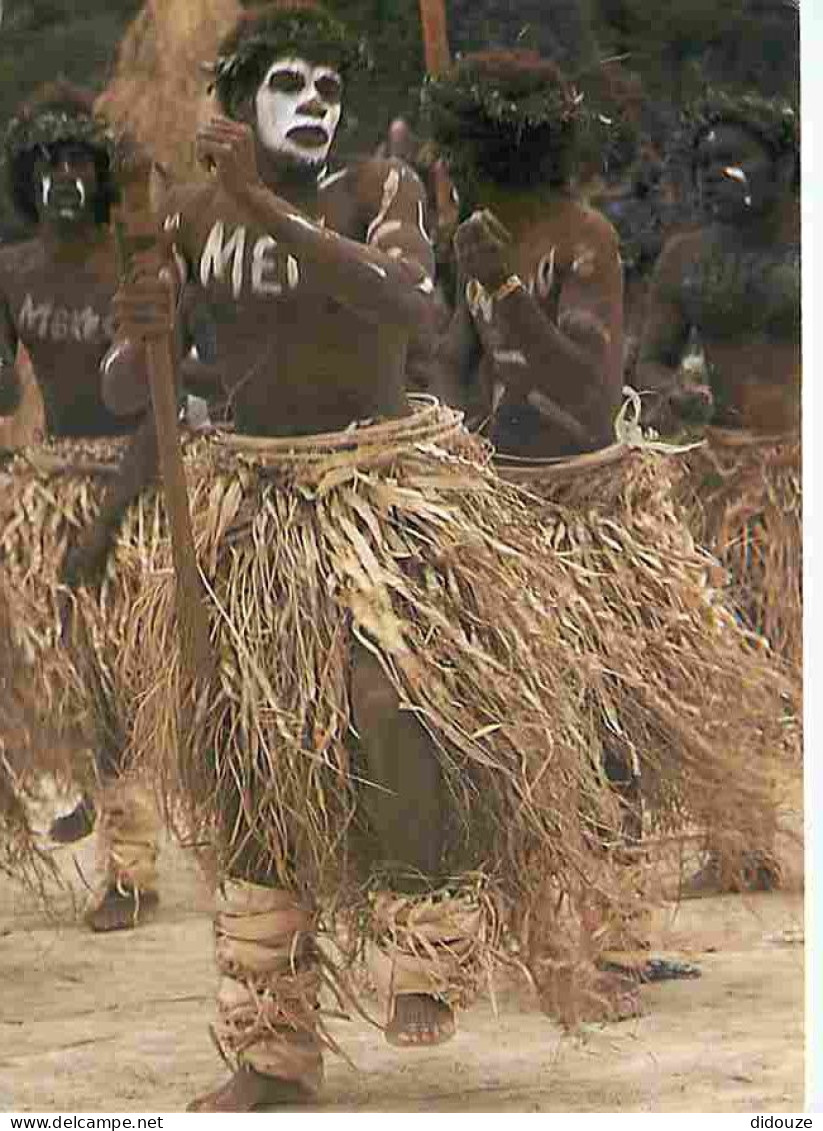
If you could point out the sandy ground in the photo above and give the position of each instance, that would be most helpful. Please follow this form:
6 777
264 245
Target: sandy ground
118 1023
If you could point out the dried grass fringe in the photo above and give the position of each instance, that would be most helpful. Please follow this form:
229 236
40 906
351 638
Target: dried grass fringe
421 554
743 501
157 92
670 681
445 944
524 634
21 729
49 494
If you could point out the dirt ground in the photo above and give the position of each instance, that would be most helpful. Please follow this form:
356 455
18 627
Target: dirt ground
118 1023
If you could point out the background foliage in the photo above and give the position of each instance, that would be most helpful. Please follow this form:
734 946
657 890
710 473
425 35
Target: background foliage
754 39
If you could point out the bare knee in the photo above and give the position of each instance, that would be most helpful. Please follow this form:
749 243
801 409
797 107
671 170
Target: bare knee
402 781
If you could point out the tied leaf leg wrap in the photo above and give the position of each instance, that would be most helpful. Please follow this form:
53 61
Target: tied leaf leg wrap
270 976
438 945
129 829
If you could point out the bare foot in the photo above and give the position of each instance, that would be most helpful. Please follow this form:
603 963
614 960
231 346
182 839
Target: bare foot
420 1020
75 825
120 910
248 1090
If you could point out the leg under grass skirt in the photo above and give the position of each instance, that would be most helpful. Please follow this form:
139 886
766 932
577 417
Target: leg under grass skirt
675 686
743 500
22 730
395 539
67 641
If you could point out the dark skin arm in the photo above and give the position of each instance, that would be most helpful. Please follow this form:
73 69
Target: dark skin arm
457 358
557 352
125 390
663 343
85 561
377 287
149 305
11 387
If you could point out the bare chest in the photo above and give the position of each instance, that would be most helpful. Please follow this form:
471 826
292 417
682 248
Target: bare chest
54 308
239 265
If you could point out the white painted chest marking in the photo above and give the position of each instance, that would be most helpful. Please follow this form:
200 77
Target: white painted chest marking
391 187
226 257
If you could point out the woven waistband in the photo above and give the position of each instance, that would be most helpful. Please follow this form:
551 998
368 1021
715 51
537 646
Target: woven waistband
743 438
517 470
429 423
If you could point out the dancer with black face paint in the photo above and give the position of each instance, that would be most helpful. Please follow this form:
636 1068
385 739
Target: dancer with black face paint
735 282
55 300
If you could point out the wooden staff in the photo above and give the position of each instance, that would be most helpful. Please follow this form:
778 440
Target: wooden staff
435 36
136 230
438 60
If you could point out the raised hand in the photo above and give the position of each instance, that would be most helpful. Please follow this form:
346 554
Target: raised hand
483 249
227 148
146 302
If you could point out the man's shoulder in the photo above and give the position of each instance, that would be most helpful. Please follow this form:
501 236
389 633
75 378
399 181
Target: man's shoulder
566 224
593 225
374 179
681 249
177 202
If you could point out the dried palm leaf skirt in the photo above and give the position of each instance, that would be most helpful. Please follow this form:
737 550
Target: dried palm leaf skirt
21 730
674 684
49 494
395 536
743 500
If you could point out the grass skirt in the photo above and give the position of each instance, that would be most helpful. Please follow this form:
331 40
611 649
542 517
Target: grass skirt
396 536
743 501
49 495
23 731
668 677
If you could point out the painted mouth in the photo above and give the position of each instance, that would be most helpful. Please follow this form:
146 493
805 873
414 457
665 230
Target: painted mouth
308 137
66 198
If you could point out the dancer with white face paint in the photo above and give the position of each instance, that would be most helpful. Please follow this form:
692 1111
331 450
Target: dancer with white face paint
316 280
298 110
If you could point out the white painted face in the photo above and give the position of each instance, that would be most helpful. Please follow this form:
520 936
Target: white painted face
298 109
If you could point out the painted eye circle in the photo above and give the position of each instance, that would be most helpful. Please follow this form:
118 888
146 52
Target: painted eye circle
286 82
329 88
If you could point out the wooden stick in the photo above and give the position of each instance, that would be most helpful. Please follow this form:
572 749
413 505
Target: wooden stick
435 36
136 225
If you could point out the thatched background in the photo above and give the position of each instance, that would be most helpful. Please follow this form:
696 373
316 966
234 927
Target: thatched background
157 91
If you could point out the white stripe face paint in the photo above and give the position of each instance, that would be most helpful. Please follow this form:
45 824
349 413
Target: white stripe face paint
81 191
45 181
735 173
